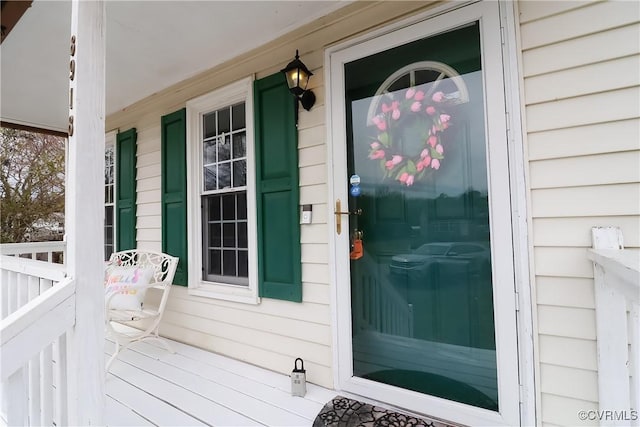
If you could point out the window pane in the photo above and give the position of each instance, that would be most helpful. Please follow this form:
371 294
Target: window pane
108 215
243 264
224 176
214 208
229 206
223 121
106 195
229 263
108 250
110 193
108 235
210 178
209 152
239 145
240 173
214 262
214 235
238 116
242 235
229 235
224 148
242 205
108 166
209 127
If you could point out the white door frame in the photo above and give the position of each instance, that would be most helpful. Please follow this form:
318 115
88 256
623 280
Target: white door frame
509 244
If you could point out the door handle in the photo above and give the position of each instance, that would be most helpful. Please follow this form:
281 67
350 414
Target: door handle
338 213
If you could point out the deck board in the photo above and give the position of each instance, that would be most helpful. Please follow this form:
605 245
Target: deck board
145 405
121 415
149 386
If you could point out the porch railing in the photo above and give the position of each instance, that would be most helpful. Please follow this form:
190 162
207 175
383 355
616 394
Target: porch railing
43 251
377 306
617 294
37 309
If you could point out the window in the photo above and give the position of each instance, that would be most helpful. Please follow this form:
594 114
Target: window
109 195
221 194
224 195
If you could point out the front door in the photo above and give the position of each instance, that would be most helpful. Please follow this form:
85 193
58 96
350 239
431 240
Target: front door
423 219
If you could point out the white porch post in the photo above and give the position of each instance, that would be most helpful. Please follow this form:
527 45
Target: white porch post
611 332
85 211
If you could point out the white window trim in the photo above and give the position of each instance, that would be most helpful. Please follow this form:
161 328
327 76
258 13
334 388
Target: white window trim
240 91
110 141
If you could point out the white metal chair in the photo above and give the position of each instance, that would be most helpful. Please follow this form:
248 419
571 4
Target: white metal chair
146 320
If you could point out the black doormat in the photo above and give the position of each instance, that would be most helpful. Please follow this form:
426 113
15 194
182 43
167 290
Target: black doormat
344 412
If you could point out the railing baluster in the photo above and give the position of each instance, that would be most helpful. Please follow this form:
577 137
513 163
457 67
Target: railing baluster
4 402
4 294
34 391
33 287
45 284
33 284
23 290
61 382
17 404
46 386
12 292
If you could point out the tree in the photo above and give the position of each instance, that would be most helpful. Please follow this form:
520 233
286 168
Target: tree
31 181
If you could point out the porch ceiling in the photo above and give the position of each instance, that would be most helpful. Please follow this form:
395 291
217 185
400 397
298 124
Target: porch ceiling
150 46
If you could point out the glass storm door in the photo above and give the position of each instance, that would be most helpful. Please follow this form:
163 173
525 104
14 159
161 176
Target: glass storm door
423 288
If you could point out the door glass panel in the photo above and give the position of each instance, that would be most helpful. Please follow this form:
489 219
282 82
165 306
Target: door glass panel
422 297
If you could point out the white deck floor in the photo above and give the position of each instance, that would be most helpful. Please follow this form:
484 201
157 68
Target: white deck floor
148 386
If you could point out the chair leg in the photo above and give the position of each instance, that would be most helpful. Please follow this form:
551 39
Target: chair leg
113 356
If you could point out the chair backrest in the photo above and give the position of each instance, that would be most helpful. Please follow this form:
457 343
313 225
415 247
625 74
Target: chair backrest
163 265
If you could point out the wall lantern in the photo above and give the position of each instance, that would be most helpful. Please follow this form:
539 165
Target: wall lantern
297 78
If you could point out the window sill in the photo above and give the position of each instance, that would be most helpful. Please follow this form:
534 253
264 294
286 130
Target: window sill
234 293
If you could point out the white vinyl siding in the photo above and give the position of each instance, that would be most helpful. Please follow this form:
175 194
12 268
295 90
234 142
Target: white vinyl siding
581 71
148 187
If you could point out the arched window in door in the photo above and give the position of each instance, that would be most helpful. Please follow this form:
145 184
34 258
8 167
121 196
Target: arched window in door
432 76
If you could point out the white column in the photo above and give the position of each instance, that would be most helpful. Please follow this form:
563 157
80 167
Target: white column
85 212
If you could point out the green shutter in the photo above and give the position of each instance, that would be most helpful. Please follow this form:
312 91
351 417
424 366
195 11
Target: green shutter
277 194
174 190
126 190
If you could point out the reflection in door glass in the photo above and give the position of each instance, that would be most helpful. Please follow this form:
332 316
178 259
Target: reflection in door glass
422 295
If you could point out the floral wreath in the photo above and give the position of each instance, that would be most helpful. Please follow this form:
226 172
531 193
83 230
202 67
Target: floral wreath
426 119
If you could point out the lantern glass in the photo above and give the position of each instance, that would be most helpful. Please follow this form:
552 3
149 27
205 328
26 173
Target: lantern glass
293 76
297 80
